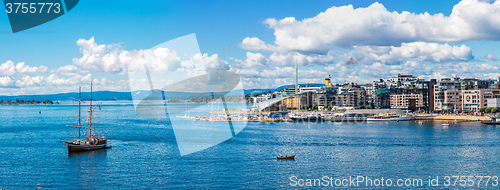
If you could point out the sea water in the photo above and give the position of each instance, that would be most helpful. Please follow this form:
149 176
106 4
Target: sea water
145 154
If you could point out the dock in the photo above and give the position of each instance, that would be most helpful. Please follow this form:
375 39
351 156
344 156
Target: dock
454 117
347 119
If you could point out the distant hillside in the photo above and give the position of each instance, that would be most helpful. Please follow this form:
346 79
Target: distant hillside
110 95
102 95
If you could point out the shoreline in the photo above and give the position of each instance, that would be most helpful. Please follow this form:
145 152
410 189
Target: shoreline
455 117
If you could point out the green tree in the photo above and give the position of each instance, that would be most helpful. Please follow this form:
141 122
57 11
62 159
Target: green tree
329 108
303 107
17 100
368 107
494 110
482 110
315 107
487 110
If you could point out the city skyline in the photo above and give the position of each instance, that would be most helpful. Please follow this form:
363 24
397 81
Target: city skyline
405 92
355 41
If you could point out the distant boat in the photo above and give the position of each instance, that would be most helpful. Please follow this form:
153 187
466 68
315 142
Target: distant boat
271 120
92 142
292 157
389 117
495 120
306 118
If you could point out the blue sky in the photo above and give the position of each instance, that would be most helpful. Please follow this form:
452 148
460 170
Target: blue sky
222 26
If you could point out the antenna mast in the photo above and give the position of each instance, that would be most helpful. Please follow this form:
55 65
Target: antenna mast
296 76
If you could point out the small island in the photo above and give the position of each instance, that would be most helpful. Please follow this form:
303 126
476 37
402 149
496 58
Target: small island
173 101
22 102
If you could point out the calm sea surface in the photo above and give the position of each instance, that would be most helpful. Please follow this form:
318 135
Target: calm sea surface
145 153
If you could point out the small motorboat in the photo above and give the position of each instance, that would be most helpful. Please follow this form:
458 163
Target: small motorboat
495 120
286 157
389 117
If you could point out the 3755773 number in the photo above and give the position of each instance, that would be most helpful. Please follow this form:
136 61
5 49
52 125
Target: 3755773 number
32 8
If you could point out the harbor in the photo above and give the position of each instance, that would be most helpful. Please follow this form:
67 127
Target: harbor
149 147
311 116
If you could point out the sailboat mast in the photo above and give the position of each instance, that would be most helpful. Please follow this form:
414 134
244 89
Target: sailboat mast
90 117
79 110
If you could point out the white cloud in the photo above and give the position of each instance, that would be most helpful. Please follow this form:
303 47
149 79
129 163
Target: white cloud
67 70
215 63
278 76
490 57
482 70
288 59
9 69
346 26
6 81
382 70
111 58
415 51
30 81
199 64
256 44
53 80
255 61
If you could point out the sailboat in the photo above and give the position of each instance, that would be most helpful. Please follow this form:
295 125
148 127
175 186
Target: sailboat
92 142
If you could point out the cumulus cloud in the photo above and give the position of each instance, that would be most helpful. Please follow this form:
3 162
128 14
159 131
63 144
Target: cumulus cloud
256 44
30 81
9 69
382 70
490 57
278 76
288 59
67 70
6 81
346 26
111 58
200 63
481 70
255 61
416 51
53 80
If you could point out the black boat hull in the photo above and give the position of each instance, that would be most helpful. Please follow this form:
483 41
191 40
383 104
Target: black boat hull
83 148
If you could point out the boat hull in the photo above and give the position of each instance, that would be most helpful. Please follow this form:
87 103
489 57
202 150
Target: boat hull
406 118
490 122
286 157
307 119
83 148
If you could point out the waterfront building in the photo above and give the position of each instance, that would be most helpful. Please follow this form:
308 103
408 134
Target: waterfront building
369 88
351 95
493 102
455 94
402 81
404 92
409 99
447 100
472 100
262 98
382 99
292 103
